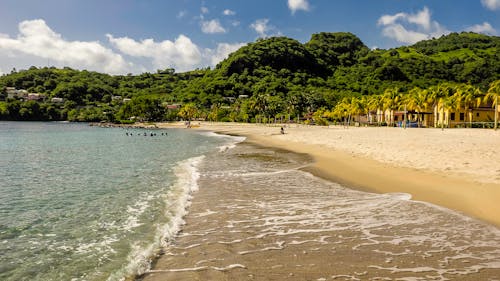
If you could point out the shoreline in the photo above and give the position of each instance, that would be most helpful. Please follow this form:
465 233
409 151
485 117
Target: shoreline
237 221
479 200
453 184
462 194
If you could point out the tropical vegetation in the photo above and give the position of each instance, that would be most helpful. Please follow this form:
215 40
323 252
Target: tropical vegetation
334 77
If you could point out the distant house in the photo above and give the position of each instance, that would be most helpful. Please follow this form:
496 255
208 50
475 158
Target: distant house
15 93
229 99
116 98
23 94
173 106
126 100
35 96
243 96
57 100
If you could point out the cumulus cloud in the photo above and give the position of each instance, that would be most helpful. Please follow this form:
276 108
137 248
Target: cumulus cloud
38 40
491 4
484 28
181 54
411 28
204 10
37 44
221 52
261 27
212 26
228 12
296 5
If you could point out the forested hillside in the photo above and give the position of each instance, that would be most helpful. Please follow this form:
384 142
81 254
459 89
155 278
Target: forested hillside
269 78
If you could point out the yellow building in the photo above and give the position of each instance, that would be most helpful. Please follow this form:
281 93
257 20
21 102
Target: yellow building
479 117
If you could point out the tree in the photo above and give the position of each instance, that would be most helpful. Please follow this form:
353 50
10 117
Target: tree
492 96
391 101
188 111
468 97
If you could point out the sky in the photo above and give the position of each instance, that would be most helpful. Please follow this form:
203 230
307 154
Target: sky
137 36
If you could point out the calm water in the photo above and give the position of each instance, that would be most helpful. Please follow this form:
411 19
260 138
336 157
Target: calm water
86 203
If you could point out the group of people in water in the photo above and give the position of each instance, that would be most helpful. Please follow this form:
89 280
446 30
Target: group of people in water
146 134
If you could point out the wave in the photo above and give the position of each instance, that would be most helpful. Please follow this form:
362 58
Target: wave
232 140
177 200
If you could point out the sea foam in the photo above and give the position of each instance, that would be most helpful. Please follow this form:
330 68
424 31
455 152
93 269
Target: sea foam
177 200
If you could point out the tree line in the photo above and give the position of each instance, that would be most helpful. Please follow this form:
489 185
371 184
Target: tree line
276 78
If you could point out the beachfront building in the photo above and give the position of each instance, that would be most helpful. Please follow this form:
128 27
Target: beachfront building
480 116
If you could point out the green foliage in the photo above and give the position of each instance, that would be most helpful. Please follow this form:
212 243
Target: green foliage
271 78
334 49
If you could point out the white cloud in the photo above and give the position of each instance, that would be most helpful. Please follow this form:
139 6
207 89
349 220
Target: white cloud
491 4
422 18
36 39
204 10
181 54
390 19
411 28
401 34
181 14
221 52
295 5
261 27
228 12
484 28
212 26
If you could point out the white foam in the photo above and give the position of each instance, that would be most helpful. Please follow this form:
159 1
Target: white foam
206 213
232 140
177 201
199 268
280 246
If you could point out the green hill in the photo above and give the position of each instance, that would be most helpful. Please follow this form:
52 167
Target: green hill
292 76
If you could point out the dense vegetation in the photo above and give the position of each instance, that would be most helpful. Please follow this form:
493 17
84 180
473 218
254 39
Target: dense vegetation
271 78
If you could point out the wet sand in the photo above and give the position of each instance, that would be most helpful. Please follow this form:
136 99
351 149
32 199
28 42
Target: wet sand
457 169
272 228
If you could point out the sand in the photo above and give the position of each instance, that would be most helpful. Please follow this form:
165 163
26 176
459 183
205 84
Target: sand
454 168
240 233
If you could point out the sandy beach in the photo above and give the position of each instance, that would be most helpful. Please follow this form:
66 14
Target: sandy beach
246 230
454 168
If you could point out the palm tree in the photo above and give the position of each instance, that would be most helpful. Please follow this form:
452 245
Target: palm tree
375 102
492 95
469 97
343 110
439 95
391 100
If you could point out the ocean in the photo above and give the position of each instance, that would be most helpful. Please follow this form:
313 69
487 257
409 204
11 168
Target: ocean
87 203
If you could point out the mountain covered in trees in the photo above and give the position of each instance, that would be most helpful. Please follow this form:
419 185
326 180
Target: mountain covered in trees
269 78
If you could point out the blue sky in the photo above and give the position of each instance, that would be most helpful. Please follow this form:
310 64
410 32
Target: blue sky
135 36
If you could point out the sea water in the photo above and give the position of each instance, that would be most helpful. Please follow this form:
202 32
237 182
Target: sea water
88 203
258 215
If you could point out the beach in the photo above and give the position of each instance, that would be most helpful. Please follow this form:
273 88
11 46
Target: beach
454 168
419 203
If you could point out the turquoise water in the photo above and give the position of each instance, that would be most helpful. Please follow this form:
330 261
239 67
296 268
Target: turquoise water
87 203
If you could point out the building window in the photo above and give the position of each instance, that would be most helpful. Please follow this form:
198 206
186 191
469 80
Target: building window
477 114
462 116
452 116
395 118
